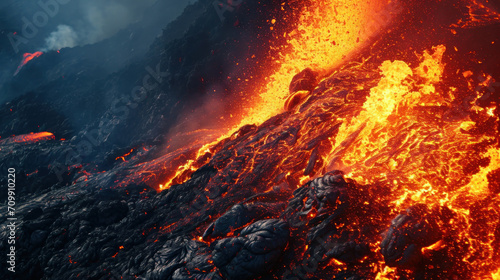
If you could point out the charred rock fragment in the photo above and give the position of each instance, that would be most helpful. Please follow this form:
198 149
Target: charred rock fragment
256 250
311 163
409 232
182 258
318 204
327 194
236 218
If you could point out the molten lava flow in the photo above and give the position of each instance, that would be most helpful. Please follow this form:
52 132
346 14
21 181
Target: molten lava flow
391 97
496 275
406 135
392 142
125 155
30 138
328 32
412 138
27 57
406 129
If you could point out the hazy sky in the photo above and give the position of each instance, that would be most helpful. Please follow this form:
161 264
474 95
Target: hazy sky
70 23
27 26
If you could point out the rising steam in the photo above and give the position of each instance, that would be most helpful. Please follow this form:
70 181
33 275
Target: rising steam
63 37
96 21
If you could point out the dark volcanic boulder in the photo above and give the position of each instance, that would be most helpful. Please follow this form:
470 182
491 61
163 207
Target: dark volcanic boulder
182 258
258 248
236 217
331 228
409 232
328 193
240 215
106 213
320 203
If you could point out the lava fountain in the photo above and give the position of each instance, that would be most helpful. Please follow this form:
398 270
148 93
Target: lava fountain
27 57
328 33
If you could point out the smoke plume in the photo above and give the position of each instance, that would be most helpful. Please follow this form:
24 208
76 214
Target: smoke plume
92 21
63 37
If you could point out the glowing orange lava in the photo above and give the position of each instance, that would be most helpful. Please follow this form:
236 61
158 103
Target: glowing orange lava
327 34
390 143
403 128
32 137
329 31
27 57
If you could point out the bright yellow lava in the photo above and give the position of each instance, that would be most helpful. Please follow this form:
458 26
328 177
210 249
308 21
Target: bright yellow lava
327 34
329 31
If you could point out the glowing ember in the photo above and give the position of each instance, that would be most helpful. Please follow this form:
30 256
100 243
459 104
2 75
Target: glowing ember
27 57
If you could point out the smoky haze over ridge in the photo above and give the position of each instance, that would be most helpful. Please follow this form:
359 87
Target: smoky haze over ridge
86 21
95 21
122 30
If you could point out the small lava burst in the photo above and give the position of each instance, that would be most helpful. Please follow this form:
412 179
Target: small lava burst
30 138
27 57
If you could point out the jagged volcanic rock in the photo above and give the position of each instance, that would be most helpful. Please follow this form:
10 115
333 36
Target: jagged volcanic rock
256 250
408 234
